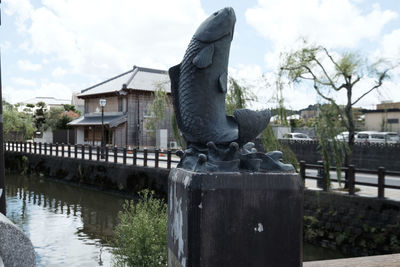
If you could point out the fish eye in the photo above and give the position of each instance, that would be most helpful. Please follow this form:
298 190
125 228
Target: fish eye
215 13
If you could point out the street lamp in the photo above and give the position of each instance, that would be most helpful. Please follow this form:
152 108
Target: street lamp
103 103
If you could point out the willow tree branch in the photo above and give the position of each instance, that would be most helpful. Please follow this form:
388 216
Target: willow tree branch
380 81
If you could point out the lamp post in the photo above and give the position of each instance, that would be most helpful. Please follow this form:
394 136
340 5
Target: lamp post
103 103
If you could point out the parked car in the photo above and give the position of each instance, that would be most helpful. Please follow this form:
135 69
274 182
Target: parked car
344 136
296 136
391 137
377 137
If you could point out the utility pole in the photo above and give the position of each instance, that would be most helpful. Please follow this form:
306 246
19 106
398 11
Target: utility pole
2 174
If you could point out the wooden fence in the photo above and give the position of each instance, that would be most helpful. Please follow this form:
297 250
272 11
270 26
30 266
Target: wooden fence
350 174
147 158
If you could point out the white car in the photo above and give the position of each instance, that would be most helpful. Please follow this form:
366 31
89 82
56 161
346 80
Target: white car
296 136
377 137
391 137
344 136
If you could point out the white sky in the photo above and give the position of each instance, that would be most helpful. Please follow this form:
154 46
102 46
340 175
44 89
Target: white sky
56 47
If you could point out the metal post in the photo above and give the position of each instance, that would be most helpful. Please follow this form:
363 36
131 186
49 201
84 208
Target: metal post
106 150
25 147
34 148
45 148
381 182
69 150
51 149
102 132
75 151
40 148
56 149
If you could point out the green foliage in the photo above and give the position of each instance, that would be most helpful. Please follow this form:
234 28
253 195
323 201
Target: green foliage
332 74
68 107
327 127
17 125
177 134
39 115
271 143
237 97
141 235
156 110
56 119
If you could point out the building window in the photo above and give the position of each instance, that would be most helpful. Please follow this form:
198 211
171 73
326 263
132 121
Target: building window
120 104
86 106
390 121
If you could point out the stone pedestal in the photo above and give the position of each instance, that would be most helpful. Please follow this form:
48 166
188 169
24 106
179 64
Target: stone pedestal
234 219
15 247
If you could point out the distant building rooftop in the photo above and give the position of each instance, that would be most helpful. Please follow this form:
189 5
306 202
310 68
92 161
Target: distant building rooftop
138 78
50 101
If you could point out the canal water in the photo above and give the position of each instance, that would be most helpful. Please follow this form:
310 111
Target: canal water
73 226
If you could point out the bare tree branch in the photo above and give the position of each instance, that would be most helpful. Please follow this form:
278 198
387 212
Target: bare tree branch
381 77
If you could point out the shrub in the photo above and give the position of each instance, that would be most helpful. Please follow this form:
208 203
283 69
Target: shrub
141 235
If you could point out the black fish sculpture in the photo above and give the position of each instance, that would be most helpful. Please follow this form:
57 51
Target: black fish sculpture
215 141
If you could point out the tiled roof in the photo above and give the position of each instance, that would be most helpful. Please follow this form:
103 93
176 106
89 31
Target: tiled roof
137 78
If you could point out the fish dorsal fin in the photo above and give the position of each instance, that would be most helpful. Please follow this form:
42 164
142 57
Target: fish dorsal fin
174 74
204 58
222 81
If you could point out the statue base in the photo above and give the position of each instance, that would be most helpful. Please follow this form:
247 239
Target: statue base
234 219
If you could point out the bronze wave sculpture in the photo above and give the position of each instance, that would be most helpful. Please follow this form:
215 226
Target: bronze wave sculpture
215 141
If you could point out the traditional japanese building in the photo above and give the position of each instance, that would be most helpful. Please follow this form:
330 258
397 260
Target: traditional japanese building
128 97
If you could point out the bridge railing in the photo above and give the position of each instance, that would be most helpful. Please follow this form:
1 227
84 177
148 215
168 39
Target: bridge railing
350 177
137 157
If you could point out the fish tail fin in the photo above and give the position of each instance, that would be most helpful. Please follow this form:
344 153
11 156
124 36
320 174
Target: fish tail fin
174 74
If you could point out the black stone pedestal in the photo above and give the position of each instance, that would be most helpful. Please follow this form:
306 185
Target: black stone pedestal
234 219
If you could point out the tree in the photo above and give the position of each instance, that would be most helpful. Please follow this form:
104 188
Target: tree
157 109
330 73
327 127
17 125
58 118
237 96
39 115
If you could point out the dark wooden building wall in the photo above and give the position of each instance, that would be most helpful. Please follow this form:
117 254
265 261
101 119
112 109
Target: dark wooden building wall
138 103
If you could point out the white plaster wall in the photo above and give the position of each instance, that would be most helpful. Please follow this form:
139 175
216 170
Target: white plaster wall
80 135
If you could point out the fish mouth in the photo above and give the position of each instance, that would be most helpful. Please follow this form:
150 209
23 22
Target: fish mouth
220 24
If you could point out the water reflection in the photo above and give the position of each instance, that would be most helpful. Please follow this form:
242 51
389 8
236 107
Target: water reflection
68 225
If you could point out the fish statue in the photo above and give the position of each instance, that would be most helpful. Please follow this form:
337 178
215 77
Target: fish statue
198 87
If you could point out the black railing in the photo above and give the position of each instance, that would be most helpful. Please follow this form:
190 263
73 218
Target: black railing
350 177
145 157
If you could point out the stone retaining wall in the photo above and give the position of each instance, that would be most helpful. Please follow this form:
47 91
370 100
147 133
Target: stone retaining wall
357 226
102 175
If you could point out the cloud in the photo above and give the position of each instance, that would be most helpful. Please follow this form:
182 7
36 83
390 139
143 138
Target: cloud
23 82
28 66
58 72
25 89
332 23
22 9
97 38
